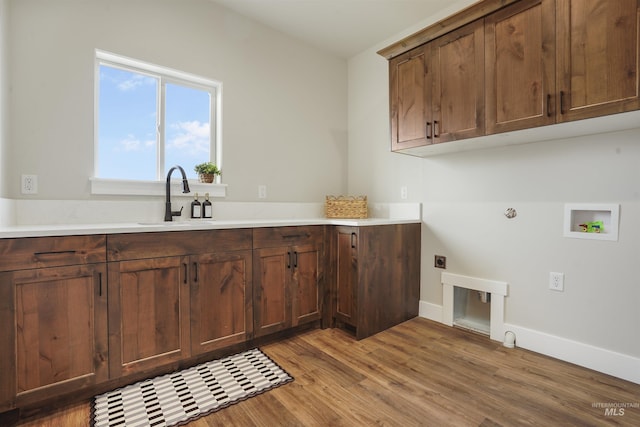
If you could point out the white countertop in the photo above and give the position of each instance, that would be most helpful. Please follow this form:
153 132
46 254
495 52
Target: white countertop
17 231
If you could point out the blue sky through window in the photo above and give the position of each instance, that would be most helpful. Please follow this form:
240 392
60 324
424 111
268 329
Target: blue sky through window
127 126
187 127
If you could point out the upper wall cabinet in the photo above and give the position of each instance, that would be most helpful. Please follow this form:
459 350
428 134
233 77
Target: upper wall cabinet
436 90
520 54
410 105
457 61
598 45
517 65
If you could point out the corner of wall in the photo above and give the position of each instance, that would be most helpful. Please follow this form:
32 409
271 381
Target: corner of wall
7 212
4 97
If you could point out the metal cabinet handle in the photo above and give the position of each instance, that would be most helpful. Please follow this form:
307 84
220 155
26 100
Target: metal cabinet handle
353 240
54 253
561 102
428 130
186 275
195 273
289 260
548 105
435 132
295 259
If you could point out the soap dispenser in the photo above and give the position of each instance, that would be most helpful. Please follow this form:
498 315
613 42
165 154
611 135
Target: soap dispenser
196 208
207 207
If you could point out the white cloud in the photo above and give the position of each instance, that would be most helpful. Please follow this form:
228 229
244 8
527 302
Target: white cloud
131 143
192 137
135 81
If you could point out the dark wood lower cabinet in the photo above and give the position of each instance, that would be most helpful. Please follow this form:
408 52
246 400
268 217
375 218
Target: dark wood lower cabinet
164 310
288 287
272 291
148 314
54 340
171 299
307 272
346 292
377 276
221 300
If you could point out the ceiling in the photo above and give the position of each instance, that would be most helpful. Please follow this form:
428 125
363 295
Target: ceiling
341 27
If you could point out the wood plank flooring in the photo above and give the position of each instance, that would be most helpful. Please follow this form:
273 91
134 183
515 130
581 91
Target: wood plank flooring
419 373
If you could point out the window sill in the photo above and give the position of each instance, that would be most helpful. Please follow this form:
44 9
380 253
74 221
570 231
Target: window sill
152 188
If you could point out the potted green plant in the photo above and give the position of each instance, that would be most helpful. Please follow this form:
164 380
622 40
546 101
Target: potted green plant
207 171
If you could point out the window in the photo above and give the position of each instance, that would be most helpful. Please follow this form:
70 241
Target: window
149 118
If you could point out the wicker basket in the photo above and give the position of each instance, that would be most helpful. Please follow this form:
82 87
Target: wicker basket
346 207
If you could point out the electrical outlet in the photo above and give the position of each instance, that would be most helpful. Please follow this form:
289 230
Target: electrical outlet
440 261
262 191
556 281
403 192
29 184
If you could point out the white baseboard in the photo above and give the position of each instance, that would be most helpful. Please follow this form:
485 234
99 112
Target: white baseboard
599 359
430 311
586 355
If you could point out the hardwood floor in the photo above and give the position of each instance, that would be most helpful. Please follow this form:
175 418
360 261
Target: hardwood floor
417 373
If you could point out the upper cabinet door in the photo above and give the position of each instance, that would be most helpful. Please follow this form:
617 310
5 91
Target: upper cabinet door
520 59
458 99
409 84
597 57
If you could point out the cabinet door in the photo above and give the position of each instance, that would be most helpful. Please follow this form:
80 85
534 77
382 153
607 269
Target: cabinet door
458 100
148 314
597 57
307 274
389 276
58 330
221 300
520 59
7 342
409 96
272 288
347 275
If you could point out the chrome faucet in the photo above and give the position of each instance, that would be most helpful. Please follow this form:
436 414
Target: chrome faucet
168 213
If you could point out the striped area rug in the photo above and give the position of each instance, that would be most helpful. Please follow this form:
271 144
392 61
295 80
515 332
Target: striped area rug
177 398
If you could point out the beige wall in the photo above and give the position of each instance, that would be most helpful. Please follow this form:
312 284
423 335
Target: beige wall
4 98
284 103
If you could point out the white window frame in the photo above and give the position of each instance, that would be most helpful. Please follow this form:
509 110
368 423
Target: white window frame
165 75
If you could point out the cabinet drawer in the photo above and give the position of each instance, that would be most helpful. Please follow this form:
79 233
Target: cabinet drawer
39 252
274 237
176 243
